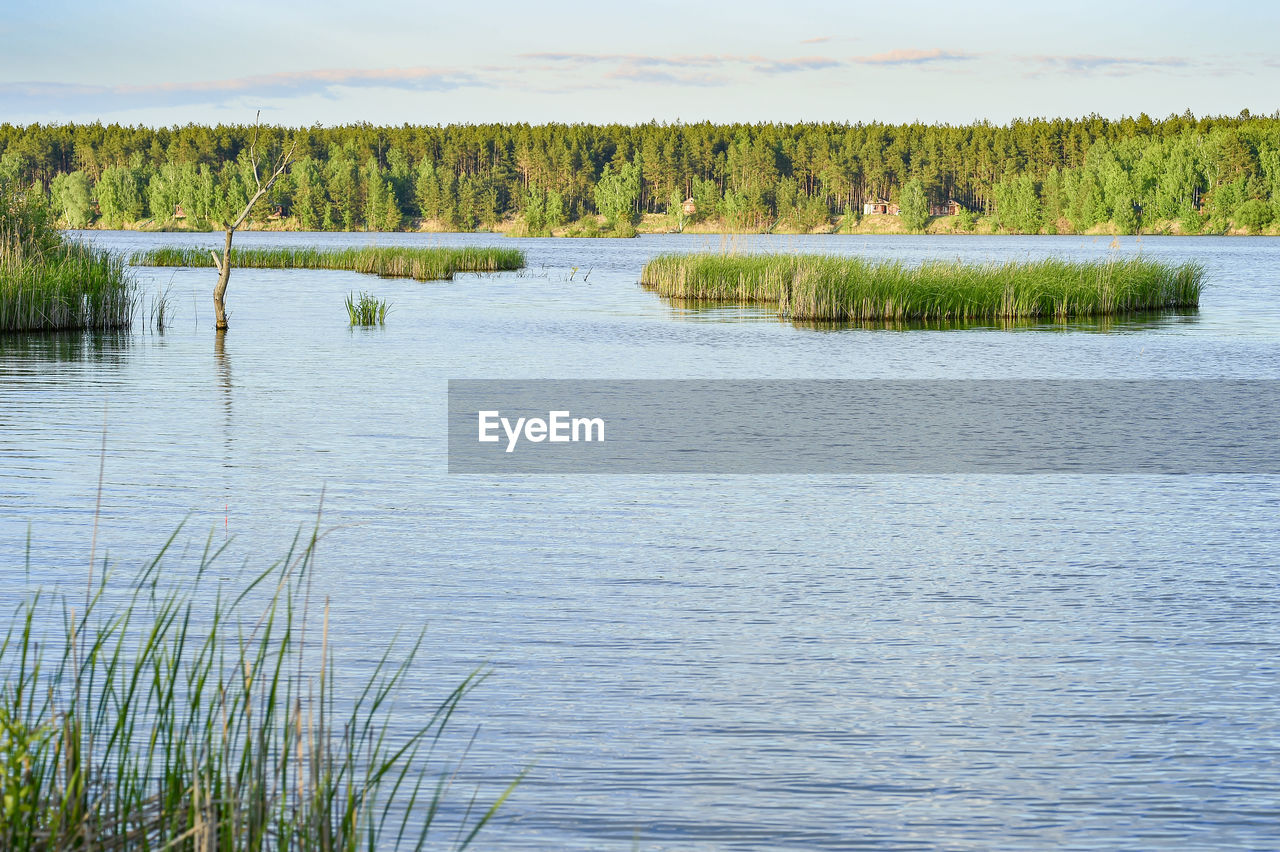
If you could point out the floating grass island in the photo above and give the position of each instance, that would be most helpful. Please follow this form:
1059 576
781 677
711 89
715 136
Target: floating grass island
817 287
422 264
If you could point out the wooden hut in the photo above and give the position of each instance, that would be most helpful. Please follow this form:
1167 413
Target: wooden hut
880 208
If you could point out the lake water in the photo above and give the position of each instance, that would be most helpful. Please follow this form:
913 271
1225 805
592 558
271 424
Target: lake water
895 662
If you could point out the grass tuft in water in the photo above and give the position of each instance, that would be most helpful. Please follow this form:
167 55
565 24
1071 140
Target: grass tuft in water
422 264
816 287
162 309
166 714
49 283
367 309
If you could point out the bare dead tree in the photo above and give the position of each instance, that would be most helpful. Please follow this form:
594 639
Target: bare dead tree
223 263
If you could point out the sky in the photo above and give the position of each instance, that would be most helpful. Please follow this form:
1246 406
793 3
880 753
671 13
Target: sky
397 62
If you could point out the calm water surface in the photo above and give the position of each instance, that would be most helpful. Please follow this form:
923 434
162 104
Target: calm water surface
904 662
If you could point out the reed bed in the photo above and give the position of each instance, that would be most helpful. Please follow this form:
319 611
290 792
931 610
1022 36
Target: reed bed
422 264
850 289
367 309
48 282
163 715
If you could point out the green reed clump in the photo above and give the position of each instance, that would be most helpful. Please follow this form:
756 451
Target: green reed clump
816 287
48 282
422 264
187 718
367 309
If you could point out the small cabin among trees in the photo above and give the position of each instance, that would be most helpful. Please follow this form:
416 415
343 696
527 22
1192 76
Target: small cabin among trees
689 208
880 208
884 208
179 213
950 208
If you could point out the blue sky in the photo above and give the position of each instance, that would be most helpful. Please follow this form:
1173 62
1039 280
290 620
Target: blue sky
392 62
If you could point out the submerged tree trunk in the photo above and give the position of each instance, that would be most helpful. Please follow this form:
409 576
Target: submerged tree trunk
220 290
223 263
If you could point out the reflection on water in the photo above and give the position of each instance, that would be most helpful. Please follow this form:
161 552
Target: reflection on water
700 662
27 348
222 365
1127 322
705 310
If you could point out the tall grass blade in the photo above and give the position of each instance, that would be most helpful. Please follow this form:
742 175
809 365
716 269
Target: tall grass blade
163 716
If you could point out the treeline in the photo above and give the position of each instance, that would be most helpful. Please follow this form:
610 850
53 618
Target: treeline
1037 175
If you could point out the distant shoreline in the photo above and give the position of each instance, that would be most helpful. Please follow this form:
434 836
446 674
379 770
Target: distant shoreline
871 225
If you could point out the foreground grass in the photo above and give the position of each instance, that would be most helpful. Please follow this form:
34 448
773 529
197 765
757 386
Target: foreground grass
815 287
167 721
423 264
49 283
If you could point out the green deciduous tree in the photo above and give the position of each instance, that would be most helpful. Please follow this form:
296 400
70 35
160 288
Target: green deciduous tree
120 195
914 206
1253 215
616 194
1018 206
73 198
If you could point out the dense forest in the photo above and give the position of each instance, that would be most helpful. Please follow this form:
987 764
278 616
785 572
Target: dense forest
1194 175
